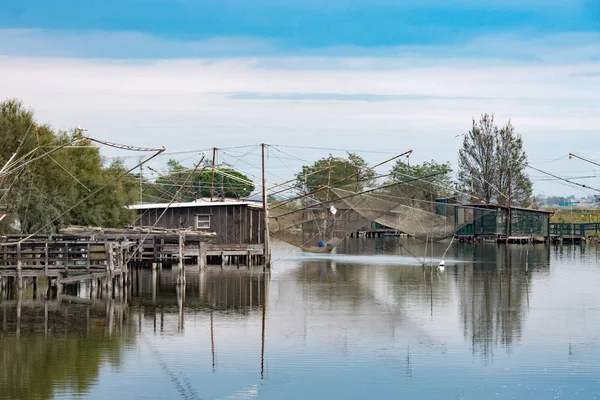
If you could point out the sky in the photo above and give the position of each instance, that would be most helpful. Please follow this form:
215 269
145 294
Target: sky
379 76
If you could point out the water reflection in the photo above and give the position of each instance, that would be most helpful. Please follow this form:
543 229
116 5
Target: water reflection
494 292
368 322
48 347
214 290
488 284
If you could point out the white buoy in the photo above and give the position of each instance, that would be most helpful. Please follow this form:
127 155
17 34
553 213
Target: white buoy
442 265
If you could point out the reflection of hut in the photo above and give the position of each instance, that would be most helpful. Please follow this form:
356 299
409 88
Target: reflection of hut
489 221
229 289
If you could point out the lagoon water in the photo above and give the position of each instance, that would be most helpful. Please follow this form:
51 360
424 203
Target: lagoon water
369 322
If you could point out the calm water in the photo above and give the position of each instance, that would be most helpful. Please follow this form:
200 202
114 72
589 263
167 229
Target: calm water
366 323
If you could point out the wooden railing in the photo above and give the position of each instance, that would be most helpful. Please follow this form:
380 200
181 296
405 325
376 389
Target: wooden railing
579 229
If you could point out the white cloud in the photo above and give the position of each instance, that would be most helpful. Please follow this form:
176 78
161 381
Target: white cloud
185 104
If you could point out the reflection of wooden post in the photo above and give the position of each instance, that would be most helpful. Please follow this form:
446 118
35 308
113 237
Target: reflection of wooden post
3 316
201 283
212 339
180 301
19 303
264 323
154 276
45 317
110 315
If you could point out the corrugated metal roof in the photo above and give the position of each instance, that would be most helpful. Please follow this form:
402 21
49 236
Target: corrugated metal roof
199 203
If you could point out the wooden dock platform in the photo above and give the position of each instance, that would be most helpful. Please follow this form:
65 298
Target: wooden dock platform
105 256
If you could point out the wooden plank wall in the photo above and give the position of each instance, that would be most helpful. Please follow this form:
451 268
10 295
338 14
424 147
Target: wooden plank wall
233 224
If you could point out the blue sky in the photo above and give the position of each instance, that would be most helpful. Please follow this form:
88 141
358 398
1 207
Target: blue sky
307 25
377 74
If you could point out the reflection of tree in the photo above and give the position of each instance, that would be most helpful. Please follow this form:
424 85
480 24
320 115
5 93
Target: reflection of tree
493 294
379 285
36 366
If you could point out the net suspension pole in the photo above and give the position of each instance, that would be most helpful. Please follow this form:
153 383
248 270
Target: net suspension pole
508 222
141 178
265 210
212 180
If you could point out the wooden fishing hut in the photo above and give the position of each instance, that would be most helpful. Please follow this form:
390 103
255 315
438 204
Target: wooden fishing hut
489 222
237 226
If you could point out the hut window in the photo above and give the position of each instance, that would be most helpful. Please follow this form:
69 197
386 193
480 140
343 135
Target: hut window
203 221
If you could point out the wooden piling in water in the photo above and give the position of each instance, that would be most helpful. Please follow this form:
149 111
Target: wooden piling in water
181 264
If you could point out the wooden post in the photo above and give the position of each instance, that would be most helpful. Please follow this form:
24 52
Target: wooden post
265 212
161 253
19 305
67 257
181 270
508 222
19 268
109 268
94 289
212 185
46 260
35 288
59 285
201 260
87 259
202 255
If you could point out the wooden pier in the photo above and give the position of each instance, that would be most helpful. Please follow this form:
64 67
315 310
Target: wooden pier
573 233
106 256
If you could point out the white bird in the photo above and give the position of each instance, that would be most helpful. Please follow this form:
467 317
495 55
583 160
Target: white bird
80 128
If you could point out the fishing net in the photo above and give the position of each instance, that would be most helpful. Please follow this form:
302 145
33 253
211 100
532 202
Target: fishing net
321 226
425 219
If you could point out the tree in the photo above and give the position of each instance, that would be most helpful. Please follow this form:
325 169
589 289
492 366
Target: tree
437 182
39 195
227 183
352 172
492 164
